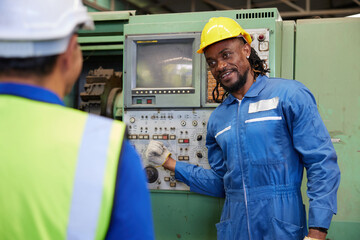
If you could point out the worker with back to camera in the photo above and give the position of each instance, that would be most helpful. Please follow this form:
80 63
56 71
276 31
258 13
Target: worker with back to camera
259 140
65 174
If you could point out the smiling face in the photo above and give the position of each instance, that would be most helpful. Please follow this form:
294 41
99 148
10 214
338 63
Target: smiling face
229 66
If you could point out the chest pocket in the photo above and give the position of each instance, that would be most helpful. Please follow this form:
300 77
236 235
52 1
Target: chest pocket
264 133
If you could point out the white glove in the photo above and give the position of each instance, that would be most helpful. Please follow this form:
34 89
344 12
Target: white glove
157 153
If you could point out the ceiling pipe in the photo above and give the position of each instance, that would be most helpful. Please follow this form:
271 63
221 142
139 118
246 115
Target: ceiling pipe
292 5
218 5
94 5
320 12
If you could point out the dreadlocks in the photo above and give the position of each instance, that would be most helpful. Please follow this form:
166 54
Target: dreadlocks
258 66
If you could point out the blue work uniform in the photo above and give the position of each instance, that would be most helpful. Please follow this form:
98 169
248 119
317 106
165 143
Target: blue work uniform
131 216
258 148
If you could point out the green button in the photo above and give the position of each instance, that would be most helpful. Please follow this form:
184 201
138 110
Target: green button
138 101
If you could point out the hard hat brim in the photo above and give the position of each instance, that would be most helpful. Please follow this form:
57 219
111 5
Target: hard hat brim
247 38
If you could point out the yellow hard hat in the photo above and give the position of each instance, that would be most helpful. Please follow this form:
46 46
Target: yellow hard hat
220 28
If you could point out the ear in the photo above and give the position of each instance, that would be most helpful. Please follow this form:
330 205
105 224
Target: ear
246 50
67 57
70 64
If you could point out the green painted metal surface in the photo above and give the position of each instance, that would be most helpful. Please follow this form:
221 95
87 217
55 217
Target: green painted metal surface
108 36
103 47
104 39
288 50
327 52
184 215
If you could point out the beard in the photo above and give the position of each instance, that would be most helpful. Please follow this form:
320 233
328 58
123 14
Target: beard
238 84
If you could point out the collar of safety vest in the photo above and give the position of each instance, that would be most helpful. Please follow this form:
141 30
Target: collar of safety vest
254 90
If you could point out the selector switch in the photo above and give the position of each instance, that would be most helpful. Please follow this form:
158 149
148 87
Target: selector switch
199 137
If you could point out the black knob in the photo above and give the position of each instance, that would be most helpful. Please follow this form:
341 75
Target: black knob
199 155
152 174
199 137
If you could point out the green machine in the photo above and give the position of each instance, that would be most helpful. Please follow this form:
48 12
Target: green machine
99 89
167 97
144 71
326 61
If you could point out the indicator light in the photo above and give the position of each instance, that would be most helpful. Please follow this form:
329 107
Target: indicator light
261 37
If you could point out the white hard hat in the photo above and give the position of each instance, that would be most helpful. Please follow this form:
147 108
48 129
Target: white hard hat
32 28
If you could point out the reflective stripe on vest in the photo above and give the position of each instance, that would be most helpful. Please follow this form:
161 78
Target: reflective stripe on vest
89 177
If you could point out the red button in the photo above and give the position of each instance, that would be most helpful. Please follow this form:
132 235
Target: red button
186 140
261 37
149 101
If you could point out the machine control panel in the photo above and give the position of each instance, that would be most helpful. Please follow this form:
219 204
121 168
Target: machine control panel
183 132
260 42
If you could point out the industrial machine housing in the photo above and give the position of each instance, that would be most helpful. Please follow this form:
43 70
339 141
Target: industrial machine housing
166 96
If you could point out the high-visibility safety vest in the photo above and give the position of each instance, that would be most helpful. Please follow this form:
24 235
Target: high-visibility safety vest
58 169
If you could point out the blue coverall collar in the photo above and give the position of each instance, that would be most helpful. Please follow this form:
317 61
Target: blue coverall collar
254 90
257 86
31 92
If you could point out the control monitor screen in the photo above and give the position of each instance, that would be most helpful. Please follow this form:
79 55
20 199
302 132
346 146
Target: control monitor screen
164 64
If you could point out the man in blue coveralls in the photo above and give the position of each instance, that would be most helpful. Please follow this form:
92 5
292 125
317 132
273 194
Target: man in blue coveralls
259 140
64 174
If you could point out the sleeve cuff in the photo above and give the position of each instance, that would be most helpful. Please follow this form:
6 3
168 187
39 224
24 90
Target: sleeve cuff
182 172
320 217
